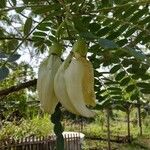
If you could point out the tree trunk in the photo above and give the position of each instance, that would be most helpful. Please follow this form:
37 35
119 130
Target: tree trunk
128 126
108 128
139 119
0 123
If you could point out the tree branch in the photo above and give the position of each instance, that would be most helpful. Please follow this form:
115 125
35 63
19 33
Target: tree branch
21 7
12 38
20 44
16 88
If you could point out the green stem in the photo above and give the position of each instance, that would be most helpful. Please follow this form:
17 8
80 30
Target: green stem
58 128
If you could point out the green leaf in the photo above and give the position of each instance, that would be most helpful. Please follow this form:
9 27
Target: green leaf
134 96
3 55
14 2
96 81
145 77
126 62
139 37
47 8
101 91
105 103
106 3
139 14
39 33
38 38
125 81
43 28
130 11
97 73
96 64
79 25
96 88
144 21
116 97
94 27
107 22
118 11
130 32
38 43
19 9
103 31
27 26
137 54
122 42
146 39
130 88
130 70
14 57
111 83
52 38
107 44
12 44
148 26
113 35
143 85
25 1
2 3
135 76
48 42
98 107
4 71
88 35
145 91
115 92
120 75
46 24
123 28
42 47
114 89
115 68
114 25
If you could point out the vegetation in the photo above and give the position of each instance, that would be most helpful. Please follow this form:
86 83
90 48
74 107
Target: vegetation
36 126
40 126
118 38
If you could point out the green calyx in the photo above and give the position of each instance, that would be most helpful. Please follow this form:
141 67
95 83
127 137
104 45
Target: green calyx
56 48
80 47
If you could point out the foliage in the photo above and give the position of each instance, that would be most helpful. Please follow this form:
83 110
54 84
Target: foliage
37 126
117 33
15 106
40 126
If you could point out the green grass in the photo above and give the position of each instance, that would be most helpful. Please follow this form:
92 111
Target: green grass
141 143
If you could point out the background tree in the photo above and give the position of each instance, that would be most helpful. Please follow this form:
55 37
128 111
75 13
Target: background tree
117 33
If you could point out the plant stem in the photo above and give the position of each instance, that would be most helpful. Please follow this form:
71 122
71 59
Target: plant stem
58 128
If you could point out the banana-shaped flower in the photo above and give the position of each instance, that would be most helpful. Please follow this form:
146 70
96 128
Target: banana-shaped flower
45 82
60 86
74 82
